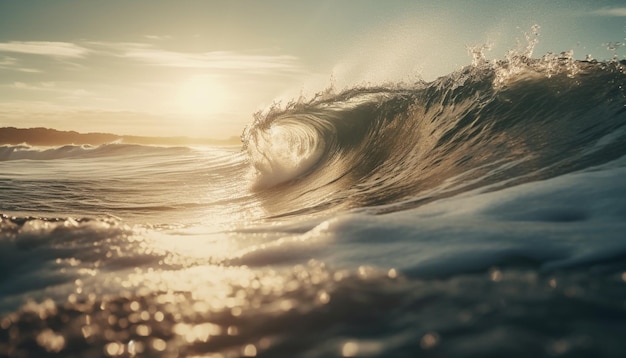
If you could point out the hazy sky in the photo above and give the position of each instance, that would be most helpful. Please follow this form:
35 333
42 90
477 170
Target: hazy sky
201 68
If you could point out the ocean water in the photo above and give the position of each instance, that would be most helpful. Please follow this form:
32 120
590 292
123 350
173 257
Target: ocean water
479 215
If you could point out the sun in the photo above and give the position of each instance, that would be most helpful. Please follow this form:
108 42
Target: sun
201 96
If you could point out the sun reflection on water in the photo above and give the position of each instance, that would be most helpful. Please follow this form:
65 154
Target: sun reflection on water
180 291
166 310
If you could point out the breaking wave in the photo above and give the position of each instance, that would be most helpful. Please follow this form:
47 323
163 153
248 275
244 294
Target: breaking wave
508 122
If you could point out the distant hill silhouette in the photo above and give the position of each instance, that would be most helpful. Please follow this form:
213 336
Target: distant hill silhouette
52 137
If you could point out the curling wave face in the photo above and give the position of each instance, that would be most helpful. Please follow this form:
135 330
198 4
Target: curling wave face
506 122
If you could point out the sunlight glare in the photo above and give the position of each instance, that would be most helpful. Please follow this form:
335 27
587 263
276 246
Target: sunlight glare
200 96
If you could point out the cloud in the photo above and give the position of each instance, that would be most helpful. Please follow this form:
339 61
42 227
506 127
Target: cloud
20 85
213 60
65 94
45 48
41 86
220 60
614 12
158 37
29 70
10 63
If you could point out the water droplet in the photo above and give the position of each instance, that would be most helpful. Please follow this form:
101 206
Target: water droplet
495 275
249 351
552 283
350 349
143 330
114 349
159 316
323 297
158 344
429 340
51 341
134 306
236 311
131 348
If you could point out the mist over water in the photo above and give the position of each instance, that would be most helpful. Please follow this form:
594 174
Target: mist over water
478 214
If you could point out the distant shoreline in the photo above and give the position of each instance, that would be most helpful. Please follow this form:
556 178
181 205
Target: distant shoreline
52 137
